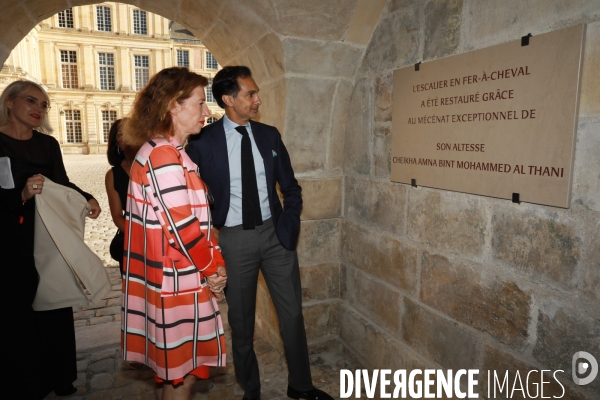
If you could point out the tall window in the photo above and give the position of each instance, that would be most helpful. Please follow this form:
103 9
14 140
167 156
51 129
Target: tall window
68 60
65 18
142 71
103 18
210 120
209 95
183 58
108 117
73 125
107 71
139 22
211 63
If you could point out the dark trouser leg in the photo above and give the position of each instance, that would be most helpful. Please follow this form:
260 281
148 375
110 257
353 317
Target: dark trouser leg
241 252
56 330
281 272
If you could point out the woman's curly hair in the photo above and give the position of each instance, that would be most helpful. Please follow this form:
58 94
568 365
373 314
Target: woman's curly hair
150 114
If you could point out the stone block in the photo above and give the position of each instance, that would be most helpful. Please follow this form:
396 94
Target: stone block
448 221
384 257
542 245
591 260
40 9
84 315
381 205
319 241
382 151
106 365
271 52
384 86
363 338
82 365
244 22
322 198
101 381
104 354
442 24
365 18
375 299
113 302
251 58
273 96
114 310
333 59
589 102
395 5
358 130
395 42
199 15
307 128
563 330
88 337
101 320
80 323
487 26
221 42
439 339
95 305
321 320
467 294
320 281
80 381
499 363
586 178
313 19
339 125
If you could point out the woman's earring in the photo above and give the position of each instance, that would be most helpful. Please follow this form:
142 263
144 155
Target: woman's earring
118 150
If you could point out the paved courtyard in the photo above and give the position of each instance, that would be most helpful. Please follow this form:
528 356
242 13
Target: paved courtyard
103 375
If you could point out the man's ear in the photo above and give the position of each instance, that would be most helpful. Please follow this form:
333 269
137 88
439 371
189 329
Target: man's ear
227 99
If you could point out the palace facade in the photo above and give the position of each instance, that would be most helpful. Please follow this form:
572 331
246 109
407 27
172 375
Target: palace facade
93 59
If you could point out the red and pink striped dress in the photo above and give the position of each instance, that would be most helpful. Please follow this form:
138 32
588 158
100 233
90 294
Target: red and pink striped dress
170 319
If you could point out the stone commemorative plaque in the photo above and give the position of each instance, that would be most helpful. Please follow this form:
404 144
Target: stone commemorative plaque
492 122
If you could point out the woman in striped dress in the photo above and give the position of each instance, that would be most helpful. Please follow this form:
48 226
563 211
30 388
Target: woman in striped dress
174 273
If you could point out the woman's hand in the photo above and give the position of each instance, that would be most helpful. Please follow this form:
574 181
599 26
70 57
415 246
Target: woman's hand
217 283
95 211
33 186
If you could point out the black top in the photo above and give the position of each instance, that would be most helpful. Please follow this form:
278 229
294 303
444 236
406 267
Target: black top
121 183
45 340
38 155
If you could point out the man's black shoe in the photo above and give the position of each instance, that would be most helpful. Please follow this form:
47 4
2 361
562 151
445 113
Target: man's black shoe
314 394
247 398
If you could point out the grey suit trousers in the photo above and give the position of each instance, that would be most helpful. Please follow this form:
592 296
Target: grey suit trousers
245 253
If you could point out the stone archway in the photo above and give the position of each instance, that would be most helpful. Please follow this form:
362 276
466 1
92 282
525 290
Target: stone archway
304 57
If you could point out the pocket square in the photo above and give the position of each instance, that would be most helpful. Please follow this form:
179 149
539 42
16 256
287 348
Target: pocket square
274 154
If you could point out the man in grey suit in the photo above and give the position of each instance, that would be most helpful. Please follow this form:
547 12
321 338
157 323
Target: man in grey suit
242 161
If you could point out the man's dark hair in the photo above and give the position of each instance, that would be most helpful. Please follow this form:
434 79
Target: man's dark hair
226 82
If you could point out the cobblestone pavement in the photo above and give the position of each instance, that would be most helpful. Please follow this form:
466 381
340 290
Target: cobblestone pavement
103 375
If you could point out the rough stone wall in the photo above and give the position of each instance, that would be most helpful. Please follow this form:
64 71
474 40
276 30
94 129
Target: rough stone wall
434 278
